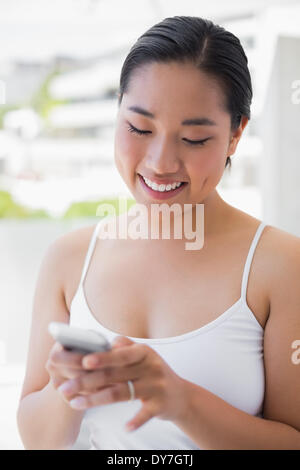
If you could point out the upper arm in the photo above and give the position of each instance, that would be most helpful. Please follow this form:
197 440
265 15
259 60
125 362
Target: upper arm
48 305
282 392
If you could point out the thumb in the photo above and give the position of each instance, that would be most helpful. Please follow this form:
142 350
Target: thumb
120 341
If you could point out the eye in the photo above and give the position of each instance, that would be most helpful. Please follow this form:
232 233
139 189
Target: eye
133 129
137 131
197 142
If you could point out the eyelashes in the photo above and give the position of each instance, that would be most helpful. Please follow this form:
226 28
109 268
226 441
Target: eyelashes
133 129
137 131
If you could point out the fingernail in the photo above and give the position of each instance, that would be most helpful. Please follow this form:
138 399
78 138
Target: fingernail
78 403
90 362
66 387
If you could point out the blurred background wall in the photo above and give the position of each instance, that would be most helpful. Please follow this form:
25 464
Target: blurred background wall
59 73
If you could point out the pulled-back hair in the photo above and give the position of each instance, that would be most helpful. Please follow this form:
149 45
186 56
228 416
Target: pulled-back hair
208 46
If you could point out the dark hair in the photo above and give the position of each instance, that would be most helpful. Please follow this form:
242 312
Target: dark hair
210 47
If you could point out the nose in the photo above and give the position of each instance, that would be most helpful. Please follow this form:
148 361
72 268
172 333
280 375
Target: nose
162 159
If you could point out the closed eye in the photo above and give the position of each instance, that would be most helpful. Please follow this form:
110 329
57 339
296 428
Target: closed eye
131 128
137 131
197 142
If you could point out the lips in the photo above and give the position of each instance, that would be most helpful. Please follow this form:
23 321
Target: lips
158 194
161 181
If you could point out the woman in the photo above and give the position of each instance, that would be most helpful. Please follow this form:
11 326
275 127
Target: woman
201 355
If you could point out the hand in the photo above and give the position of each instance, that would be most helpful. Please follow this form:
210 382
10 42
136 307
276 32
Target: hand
63 365
159 388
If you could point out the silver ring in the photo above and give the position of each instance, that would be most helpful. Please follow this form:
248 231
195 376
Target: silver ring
131 390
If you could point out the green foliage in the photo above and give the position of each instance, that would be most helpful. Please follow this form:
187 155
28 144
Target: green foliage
11 209
89 208
42 102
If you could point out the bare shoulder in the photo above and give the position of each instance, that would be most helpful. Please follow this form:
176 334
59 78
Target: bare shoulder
276 262
283 251
280 240
280 253
71 248
278 249
71 241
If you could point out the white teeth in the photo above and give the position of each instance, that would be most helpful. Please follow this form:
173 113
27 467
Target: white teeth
161 187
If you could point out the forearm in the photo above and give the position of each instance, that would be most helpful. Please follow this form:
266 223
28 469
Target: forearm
45 421
214 424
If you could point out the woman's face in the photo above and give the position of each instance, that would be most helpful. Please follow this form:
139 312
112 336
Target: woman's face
160 98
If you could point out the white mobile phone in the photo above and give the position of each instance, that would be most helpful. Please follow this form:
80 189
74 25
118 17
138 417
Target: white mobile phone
79 340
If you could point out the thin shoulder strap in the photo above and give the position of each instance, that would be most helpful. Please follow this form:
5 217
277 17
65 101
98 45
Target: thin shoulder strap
90 250
249 259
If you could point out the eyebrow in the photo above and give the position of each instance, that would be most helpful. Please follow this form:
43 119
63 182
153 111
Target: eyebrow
200 121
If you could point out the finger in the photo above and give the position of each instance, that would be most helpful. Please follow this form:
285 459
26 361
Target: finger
56 381
115 393
61 356
59 374
120 341
92 381
117 356
144 415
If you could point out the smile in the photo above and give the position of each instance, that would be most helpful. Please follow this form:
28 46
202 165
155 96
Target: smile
161 187
161 191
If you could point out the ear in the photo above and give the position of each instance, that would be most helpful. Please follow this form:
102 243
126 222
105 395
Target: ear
236 135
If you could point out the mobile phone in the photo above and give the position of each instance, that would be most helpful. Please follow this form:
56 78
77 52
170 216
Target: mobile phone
79 340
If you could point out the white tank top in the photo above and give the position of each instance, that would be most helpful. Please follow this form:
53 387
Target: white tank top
224 356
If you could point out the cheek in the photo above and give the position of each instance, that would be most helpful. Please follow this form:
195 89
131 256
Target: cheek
206 167
207 162
127 150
